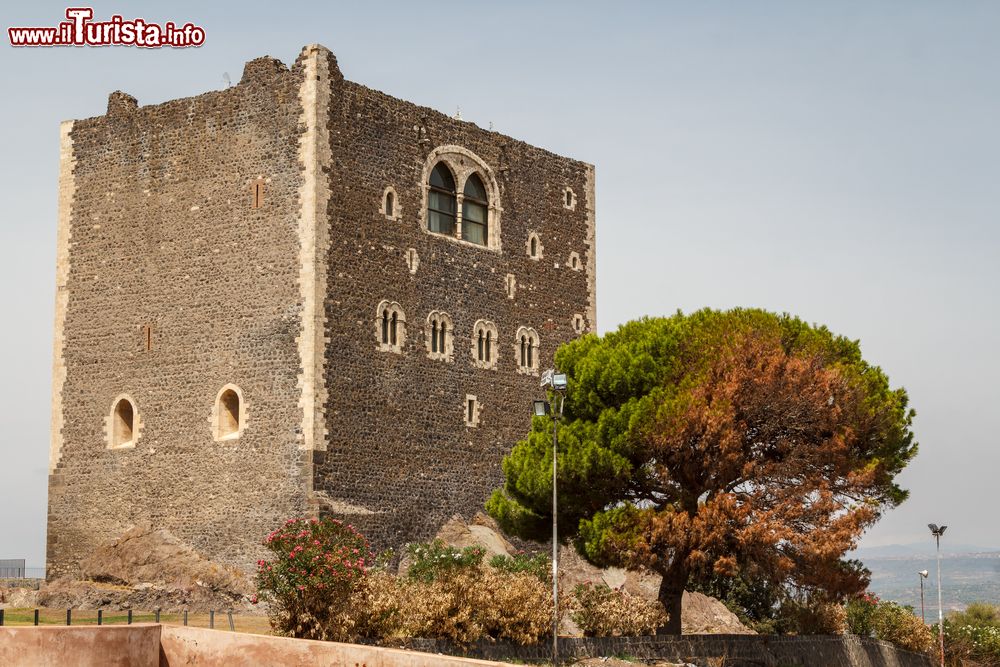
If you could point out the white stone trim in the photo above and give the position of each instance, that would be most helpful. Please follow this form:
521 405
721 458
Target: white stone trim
578 324
217 434
485 326
109 424
67 189
539 249
591 250
397 208
412 260
440 317
510 284
463 163
314 242
392 307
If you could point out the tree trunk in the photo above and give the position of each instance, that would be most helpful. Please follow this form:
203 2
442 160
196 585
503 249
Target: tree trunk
670 595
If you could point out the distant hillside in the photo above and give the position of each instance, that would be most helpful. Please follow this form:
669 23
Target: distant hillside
919 549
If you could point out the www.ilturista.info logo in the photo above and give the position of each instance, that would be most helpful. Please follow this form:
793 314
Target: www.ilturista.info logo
79 30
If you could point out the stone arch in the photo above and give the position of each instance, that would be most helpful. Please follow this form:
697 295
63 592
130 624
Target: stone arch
463 163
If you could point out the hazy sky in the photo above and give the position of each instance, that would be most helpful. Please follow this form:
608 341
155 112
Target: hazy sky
837 161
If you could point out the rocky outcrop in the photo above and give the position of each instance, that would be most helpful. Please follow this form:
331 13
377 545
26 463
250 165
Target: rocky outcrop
149 569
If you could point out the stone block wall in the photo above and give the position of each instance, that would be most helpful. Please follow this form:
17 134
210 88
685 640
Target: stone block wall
172 286
234 247
402 455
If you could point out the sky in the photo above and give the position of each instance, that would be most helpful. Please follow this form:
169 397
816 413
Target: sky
838 161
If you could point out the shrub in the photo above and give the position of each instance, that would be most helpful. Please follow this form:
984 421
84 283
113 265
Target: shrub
870 617
897 624
813 617
539 565
454 596
430 561
601 611
973 636
861 615
308 583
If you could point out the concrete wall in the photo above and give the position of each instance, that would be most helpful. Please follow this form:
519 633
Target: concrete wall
735 650
151 645
213 648
107 646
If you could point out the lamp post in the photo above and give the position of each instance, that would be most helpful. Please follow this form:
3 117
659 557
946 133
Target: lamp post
557 381
923 575
937 532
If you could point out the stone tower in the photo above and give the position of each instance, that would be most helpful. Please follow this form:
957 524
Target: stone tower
300 296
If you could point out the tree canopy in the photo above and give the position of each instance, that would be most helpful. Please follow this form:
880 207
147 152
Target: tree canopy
716 442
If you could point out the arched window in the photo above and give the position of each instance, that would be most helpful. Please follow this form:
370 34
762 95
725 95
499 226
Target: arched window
574 261
526 348
123 427
390 203
534 246
390 326
475 211
441 201
229 416
439 336
484 336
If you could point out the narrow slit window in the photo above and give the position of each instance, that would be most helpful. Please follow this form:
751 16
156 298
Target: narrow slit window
483 355
434 336
393 325
385 327
229 414
489 344
470 410
257 189
390 204
123 424
524 347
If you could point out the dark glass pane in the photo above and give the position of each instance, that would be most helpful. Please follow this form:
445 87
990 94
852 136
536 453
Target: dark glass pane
523 348
385 326
441 201
481 346
392 328
444 330
434 337
489 344
473 232
474 212
475 189
388 204
441 178
442 223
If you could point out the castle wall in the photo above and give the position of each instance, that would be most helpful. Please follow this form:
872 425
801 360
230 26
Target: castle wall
157 230
401 458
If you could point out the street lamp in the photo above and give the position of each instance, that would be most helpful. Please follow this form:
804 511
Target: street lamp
937 533
542 408
923 575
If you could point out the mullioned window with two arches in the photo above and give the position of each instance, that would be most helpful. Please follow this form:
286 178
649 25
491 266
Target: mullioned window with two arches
462 199
484 344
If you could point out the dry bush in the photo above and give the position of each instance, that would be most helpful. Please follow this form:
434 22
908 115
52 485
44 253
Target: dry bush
468 604
815 618
898 625
601 611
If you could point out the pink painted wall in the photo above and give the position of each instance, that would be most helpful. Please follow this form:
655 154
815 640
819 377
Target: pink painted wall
82 646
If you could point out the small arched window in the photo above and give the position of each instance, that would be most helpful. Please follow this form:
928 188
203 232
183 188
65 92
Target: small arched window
123 425
390 326
484 337
534 246
229 413
390 203
441 201
526 349
439 336
475 211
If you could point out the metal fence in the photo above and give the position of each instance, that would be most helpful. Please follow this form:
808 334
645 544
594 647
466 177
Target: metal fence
219 620
13 568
